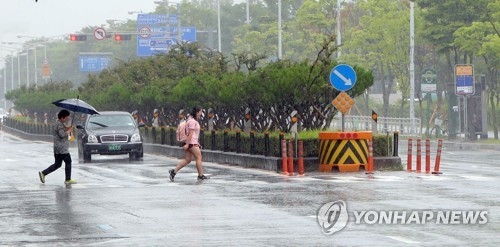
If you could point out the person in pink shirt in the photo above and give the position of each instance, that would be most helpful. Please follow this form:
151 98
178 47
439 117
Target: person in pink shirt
191 147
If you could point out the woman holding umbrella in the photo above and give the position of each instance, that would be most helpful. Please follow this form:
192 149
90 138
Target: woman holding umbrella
61 148
61 134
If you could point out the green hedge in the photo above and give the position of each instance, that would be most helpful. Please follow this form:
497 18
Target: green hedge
225 140
241 142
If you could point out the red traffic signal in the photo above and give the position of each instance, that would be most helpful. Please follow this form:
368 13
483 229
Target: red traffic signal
120 37
77 37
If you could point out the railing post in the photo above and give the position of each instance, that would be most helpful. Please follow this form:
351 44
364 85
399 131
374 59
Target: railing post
409 159
213 140
266 144
172 137
146 134
162 135
201 138
226 141
153 134
252 142
396 144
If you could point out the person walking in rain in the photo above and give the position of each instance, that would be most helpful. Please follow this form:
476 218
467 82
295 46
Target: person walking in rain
191 146
61 148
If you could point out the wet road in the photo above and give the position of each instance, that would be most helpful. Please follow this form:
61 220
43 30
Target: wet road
118 202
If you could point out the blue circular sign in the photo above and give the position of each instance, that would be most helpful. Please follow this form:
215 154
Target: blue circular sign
343 77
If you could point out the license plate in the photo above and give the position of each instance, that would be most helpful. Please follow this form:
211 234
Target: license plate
115 147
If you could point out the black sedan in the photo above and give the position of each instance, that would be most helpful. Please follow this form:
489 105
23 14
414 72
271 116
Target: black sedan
109 133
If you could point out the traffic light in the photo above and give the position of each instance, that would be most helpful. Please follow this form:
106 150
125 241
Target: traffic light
121 37
77 37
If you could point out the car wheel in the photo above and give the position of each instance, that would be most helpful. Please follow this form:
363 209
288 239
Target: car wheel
87 157
134 156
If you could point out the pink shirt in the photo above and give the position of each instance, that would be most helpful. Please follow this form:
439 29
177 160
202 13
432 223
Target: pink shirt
192 124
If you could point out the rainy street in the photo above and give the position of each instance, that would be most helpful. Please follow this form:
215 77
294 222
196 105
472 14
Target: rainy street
118 202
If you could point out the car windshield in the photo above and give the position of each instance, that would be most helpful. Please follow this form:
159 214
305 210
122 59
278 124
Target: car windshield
101 121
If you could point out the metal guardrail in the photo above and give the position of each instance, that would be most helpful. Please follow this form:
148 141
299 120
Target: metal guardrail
384 124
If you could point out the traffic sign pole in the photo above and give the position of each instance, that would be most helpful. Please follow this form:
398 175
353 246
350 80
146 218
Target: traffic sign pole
343 78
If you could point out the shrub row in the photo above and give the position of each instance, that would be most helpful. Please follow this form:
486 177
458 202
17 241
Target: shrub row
267 144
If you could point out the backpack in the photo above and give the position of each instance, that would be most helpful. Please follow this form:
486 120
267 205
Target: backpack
181 132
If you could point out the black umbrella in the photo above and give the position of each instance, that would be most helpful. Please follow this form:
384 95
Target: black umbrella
76 105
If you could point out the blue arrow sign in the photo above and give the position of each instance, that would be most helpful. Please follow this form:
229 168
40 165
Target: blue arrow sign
343 77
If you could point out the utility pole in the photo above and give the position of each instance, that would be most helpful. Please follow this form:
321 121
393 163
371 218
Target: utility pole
248 11
280 52
339 39
412 67
218 26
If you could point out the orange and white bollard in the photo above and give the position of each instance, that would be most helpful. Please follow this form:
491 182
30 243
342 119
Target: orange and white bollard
290 158
369 169
419 155
427 156
438 157
300 161
284 164
408 161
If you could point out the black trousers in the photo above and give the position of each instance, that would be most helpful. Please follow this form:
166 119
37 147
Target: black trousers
59 158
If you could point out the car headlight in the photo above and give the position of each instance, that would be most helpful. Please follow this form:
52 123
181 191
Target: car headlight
135 138
92 139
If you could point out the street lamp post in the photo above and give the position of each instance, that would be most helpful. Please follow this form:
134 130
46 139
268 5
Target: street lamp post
135 12
179 29
27 68
35 69
35 45
12 71
280 53
339 38
11 64
4 83
19 70
248 11
218 26
412 67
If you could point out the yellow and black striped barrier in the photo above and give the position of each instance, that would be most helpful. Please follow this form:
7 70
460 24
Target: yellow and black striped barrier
347 150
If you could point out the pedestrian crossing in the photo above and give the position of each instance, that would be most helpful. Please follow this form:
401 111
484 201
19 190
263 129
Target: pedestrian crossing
400 176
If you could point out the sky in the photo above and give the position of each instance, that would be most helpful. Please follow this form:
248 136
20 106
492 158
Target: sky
51 18
48 18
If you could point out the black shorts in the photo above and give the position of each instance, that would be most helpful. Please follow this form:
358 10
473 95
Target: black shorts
192 145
